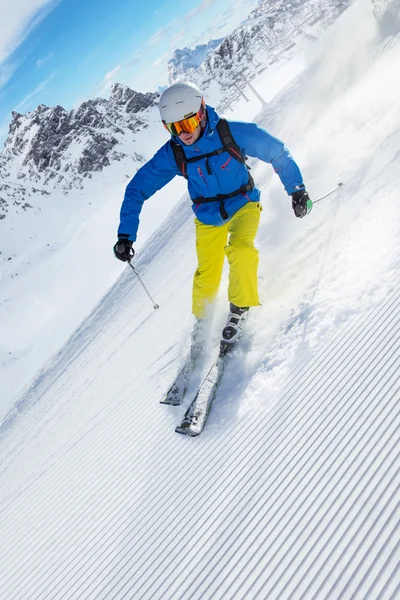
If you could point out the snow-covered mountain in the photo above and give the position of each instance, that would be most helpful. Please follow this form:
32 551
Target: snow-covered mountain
184 61
54 148
60 173
40 145
292 490
271 29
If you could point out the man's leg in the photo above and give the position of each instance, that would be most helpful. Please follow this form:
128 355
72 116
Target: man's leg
210 243
243 256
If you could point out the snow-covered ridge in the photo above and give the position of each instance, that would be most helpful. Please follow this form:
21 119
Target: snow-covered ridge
268 31
60 173
20 195
54 147
186 60
274 30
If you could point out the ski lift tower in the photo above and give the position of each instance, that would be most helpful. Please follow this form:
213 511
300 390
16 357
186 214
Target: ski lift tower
244 76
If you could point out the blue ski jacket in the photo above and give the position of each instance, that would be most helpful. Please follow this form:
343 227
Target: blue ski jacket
227 174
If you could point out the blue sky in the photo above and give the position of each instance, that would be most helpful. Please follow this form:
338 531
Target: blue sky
66 51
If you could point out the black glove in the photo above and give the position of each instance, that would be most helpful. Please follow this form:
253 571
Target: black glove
123 249
301 203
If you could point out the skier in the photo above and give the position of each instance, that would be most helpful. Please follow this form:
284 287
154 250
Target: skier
211 153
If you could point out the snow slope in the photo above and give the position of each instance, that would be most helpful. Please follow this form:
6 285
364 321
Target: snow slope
56 260
292 489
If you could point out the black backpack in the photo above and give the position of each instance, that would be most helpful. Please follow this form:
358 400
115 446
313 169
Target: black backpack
228 145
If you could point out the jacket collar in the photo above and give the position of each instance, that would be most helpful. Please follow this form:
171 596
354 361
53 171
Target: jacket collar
208 138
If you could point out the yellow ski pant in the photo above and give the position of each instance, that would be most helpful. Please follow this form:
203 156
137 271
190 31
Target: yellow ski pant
235 240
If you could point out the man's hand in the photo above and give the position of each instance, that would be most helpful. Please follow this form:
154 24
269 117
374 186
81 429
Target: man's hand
123 249
301 203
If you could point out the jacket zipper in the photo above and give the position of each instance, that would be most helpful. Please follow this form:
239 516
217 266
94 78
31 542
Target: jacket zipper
223 167
200 172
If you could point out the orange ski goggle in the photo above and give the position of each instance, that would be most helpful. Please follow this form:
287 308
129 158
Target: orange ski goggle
188 125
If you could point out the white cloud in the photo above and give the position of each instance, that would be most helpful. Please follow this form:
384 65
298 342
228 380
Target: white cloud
160 60
37 89
6 72
178 36
223 23
40 62
108 80
134 61
108 77
173 25
18 19
161 33
204 5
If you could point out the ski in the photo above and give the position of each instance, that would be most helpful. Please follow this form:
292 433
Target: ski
175 394
196 415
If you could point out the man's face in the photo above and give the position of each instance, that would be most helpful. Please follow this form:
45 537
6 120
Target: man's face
190 138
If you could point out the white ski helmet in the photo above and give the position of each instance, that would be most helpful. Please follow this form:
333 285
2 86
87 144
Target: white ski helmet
180 101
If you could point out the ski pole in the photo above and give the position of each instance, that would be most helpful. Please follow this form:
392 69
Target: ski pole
339 185
155 306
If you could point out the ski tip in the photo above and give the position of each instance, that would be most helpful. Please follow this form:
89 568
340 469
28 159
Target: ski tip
169 403
186 431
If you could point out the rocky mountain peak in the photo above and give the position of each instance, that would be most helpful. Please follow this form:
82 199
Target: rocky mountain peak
270 30
16 118
132 102
52 145
186 60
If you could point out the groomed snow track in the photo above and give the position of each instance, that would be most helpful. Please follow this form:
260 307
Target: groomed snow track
299 500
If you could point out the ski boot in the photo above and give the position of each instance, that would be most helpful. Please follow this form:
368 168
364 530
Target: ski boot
233 329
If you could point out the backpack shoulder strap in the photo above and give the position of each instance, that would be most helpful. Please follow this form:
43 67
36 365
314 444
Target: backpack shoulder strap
180 157
225 134
229 145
